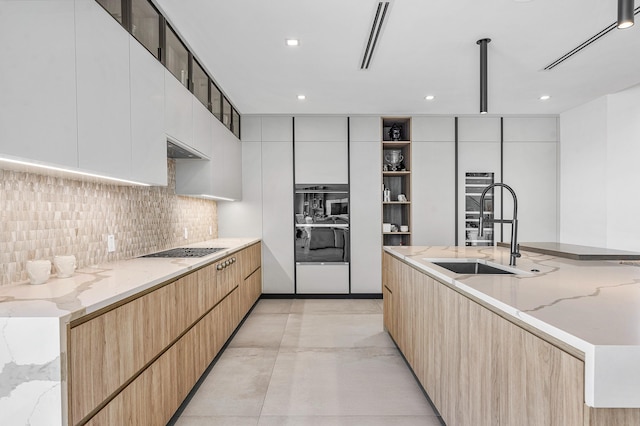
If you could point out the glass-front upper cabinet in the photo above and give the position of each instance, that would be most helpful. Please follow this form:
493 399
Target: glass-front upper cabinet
235 123
216 101
177 58
226 113
200 84
145 25
114 7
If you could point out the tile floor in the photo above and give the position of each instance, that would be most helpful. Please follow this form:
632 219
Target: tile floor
310 362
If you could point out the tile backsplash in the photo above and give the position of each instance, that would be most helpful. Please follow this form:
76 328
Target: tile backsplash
42 216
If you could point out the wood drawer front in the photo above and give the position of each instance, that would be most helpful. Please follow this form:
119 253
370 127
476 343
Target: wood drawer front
250 259
250 291
154 396
106 351
225 277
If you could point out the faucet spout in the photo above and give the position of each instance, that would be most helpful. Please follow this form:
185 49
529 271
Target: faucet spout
515 247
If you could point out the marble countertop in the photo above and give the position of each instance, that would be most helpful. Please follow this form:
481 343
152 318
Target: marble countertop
593 306
576 252
95 287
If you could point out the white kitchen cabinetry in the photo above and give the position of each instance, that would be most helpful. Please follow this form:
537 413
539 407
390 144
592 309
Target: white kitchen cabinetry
366 216
530 168
38 85
244 219
318 278
479 152
321 150
103 92
148 140
433 186
227 160
218 177
202 140
277 195
178 110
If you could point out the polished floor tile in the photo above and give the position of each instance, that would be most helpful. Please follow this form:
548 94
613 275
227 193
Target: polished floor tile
428 420
310 362
349 306
335 331
261 330
273 306
237 384
367 381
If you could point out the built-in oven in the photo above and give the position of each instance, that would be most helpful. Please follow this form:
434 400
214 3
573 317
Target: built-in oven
322 247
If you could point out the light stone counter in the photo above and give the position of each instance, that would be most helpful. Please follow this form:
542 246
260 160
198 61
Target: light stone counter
34 318
593 306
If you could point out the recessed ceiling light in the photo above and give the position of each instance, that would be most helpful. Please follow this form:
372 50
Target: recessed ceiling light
545 97
429 97
301 97
292 42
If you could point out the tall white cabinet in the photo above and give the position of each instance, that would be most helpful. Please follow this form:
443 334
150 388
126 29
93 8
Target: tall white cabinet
366 216
277 205
530 167
433 160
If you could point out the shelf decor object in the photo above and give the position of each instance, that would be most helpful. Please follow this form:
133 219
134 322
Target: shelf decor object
396 181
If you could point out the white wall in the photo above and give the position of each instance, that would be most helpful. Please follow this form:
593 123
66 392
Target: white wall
598 171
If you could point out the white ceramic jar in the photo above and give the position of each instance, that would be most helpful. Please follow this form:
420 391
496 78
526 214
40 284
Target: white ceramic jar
38 271
65 265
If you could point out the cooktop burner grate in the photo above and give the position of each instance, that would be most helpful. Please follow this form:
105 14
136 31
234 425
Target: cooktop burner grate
186 252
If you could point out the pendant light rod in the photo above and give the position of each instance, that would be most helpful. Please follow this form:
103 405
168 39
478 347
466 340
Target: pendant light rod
483 74
625 14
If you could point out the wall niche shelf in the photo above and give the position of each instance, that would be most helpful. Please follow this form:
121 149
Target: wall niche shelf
396 180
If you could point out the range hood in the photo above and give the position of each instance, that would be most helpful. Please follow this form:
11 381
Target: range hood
175 150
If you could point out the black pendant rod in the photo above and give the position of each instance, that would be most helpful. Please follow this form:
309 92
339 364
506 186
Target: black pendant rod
483 74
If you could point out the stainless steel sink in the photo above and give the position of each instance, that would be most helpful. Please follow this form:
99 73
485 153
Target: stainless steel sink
474 267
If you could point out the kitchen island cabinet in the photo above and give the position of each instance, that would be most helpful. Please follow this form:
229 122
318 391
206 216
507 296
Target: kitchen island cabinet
132 337
482 362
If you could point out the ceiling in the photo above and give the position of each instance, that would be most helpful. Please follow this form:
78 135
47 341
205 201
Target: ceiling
426 47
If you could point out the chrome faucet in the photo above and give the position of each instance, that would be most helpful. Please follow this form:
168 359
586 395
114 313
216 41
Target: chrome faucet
515 247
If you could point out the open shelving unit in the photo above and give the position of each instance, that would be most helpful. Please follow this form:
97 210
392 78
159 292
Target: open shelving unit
396 181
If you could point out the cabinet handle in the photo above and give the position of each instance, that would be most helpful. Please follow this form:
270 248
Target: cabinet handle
219 267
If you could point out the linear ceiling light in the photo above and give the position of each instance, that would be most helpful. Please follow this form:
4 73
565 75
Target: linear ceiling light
376 27
625 14
586 44
483 74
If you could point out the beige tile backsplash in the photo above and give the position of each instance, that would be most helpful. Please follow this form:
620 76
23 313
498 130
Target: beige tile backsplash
42 216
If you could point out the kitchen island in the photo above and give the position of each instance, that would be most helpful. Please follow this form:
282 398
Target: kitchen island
109 332
558 342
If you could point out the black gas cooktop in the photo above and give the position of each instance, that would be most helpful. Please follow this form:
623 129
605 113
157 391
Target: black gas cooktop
186 252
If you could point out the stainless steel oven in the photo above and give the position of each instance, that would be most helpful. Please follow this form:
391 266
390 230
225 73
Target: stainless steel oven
322 238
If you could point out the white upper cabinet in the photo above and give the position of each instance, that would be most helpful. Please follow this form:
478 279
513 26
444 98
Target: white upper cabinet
321 150
38 84
227 162
220 176
178 110
104 104
202 129
148 140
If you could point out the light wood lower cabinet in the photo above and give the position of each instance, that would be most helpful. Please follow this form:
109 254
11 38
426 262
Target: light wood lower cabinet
135 362
477 367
